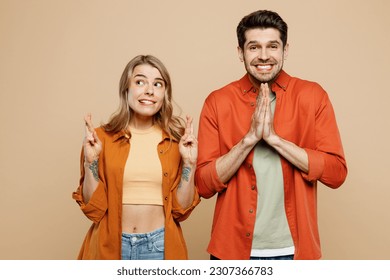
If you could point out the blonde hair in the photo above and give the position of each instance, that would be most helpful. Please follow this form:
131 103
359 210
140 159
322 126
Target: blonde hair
173 125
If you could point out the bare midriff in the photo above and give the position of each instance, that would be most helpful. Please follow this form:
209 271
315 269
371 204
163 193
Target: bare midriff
142 218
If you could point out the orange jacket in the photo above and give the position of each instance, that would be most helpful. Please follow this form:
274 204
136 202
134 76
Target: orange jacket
304 116
103 240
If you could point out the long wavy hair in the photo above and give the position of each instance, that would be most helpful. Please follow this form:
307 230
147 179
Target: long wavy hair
173 125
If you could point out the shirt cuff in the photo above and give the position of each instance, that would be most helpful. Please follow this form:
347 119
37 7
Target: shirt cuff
316 165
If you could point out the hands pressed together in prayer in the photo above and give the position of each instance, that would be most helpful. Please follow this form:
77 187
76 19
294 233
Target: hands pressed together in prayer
262 118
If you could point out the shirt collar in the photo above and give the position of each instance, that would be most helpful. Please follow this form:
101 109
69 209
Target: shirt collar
120 135
281 82
246 85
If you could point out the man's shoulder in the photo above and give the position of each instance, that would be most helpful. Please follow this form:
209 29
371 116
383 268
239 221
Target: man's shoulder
305 89
230 88
298 81
298 85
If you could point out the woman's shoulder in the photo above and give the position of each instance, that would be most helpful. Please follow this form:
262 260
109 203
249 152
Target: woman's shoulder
101 131
105 135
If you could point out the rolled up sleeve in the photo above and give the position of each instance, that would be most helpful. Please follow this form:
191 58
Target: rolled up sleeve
206 177
327 161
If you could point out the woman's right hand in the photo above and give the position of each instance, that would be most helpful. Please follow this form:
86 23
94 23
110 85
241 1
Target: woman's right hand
92 143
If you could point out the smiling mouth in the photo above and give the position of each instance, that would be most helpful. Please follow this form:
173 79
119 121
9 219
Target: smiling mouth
264 67
146 102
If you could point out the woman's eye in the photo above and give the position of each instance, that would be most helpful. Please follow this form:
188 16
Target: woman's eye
159 84
139 82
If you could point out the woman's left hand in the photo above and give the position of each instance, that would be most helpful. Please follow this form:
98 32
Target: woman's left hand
188 145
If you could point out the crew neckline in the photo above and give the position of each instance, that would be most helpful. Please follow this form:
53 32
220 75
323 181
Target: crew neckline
144 131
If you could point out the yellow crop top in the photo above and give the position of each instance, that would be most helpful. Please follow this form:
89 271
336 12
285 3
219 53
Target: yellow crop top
142 179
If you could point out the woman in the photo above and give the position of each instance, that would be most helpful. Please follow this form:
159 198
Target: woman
137 171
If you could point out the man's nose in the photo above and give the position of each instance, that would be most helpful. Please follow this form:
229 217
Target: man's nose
263 54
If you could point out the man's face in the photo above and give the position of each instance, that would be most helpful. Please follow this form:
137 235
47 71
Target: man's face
263 54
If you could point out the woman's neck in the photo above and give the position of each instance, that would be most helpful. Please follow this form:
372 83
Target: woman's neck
141 124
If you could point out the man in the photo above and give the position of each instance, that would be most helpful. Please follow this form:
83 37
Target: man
264 142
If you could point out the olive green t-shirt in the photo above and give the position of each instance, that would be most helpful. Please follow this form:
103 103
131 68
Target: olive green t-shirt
271 232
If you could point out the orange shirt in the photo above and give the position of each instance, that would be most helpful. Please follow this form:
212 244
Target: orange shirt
304 116
103 240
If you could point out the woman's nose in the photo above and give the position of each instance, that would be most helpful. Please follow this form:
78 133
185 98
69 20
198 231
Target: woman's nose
149 90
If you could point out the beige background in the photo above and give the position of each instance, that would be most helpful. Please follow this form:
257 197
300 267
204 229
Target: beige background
61 59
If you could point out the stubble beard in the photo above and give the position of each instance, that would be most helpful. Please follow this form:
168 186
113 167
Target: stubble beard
260 79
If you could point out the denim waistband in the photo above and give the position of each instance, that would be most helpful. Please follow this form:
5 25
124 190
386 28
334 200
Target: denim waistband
139 246
147 235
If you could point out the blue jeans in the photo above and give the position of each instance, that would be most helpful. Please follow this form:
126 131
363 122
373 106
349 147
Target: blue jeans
143 246
287 257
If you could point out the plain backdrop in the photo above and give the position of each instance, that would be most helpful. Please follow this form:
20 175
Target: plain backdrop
62 59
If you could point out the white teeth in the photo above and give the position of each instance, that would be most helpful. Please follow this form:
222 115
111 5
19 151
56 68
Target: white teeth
148 102
264 67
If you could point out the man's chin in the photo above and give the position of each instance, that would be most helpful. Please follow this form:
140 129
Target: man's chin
261 79
264 79
267 78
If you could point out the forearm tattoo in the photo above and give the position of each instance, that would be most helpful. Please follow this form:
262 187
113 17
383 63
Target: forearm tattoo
186 173
94 169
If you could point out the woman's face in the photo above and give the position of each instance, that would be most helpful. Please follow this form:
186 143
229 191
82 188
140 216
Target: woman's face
146 93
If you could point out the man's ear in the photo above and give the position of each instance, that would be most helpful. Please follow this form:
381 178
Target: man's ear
240 54
285 53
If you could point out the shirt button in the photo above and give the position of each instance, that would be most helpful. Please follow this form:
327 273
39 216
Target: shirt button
247 234
249 165
161 151
254 90
165 174
253 188
166 198
252 104
251 211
